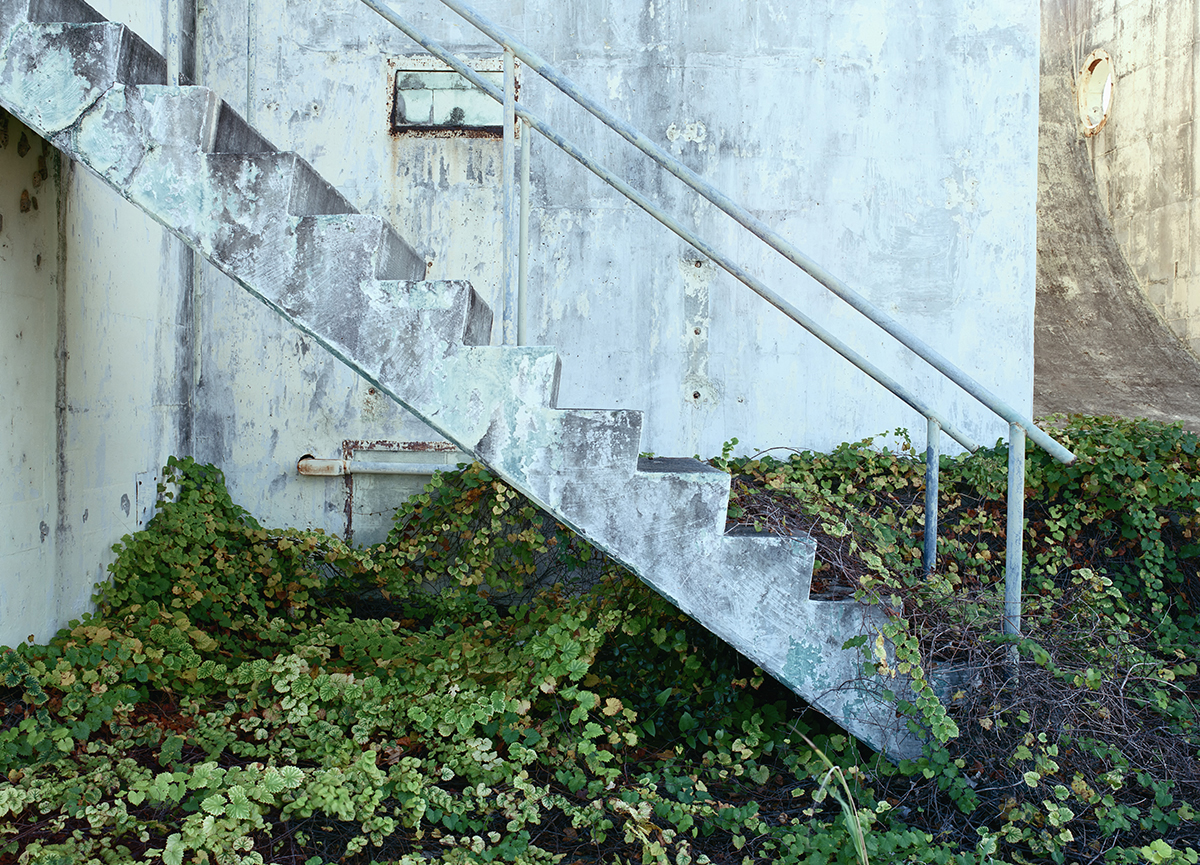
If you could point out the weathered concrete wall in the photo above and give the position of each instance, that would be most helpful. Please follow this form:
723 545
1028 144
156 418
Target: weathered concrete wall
1144 158
127 380
1101 347
28 335
97 336
896 145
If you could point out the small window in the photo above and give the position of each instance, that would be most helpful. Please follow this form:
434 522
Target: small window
1095 91
431 98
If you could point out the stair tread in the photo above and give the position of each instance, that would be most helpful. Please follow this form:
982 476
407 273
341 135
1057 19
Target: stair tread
676 465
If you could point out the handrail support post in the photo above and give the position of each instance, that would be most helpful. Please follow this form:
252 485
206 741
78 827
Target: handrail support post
933 456
523 242
1015 530
508 305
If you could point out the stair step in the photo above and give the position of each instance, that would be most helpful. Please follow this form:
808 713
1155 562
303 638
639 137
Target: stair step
76 64
128 124
462 390
539 448
17 13
236 207
647 513
450 308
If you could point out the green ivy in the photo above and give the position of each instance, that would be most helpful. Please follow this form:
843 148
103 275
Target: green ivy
484 686
1035 741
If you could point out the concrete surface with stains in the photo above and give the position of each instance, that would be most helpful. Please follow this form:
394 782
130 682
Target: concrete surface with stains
1101 346
1144 157
894 143
28 336
96 350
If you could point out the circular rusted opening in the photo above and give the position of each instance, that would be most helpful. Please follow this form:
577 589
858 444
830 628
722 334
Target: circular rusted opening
1094 91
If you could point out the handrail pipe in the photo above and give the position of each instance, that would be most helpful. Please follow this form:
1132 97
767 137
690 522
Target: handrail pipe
1019 424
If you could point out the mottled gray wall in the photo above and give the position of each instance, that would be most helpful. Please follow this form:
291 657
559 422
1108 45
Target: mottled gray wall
895 143
97 336
97 355
28 335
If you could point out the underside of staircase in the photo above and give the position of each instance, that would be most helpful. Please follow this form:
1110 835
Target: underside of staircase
269 221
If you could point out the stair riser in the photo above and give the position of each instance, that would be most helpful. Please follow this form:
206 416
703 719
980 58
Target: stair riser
463 391
533 446
467 319
53 73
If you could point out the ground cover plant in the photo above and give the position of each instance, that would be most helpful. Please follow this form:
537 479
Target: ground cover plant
1079 743
460 694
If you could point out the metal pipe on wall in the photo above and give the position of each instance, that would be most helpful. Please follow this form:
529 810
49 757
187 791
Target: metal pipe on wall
1014 530
523 241
174 38
312 467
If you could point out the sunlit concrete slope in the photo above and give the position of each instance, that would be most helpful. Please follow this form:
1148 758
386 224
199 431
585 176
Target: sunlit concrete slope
1100 346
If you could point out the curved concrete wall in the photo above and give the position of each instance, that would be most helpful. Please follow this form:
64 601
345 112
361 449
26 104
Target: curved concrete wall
1101 346
1144 158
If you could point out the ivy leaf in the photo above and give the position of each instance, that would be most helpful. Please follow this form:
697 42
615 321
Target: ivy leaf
273 782
173 854
293 776
239 806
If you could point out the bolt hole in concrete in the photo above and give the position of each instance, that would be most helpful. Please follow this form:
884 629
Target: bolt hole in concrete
1094 91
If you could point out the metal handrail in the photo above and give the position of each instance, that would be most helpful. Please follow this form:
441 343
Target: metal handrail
735 270
759 228
1019 424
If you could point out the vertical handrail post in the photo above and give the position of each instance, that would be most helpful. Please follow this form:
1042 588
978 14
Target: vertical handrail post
174 42
523 244
933 456
1015 530
509 301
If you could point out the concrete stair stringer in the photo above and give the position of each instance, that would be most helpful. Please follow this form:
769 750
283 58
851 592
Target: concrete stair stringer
269 221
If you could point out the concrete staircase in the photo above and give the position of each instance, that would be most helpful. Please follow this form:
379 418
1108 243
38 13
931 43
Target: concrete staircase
270 222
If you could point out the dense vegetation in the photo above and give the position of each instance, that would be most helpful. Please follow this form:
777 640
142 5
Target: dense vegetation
255 695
